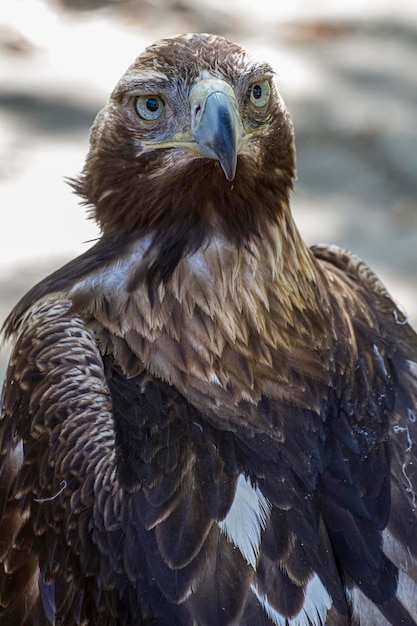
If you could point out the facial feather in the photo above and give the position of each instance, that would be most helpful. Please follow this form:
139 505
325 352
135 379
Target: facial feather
128 154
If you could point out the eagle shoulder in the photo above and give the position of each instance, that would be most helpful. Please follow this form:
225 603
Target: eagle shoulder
377 437
56 434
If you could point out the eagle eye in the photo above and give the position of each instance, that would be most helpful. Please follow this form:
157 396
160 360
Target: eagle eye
149 107
260 93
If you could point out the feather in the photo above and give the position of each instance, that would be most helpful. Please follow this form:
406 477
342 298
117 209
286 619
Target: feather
204 421
246 519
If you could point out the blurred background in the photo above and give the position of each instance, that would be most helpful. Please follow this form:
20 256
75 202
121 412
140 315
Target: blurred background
348 73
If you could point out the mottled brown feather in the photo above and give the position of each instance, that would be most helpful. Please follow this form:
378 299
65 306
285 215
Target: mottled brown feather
204 421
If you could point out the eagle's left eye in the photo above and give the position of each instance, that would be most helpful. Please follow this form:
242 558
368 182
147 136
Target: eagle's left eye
260 93
149 107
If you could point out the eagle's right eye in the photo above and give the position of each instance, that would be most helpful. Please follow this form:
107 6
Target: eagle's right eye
149 107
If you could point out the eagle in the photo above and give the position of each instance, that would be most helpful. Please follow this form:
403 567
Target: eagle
205 422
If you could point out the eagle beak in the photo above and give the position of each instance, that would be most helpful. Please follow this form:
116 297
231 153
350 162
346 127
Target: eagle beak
216 126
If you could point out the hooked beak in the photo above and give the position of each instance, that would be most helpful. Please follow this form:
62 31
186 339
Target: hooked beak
216 126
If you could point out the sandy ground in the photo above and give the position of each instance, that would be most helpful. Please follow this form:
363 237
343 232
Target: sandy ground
348 75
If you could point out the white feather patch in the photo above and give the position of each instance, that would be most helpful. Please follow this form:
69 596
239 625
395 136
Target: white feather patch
317 602
402 558
364 609
15 457
112 278
246 519
407 594
398 553
215 379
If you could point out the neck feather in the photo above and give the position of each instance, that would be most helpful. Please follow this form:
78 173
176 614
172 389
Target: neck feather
223 320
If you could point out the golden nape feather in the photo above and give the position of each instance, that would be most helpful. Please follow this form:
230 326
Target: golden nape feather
205 422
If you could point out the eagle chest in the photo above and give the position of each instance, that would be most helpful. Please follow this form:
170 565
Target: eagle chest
208 331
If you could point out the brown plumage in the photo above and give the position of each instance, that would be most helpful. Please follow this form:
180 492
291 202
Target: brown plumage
205 421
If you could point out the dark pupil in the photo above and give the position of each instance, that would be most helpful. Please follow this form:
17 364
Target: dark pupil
152 104
257 91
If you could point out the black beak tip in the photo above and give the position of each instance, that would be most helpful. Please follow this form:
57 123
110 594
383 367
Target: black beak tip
229 172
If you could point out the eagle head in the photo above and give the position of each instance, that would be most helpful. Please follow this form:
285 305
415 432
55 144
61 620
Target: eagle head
195 136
